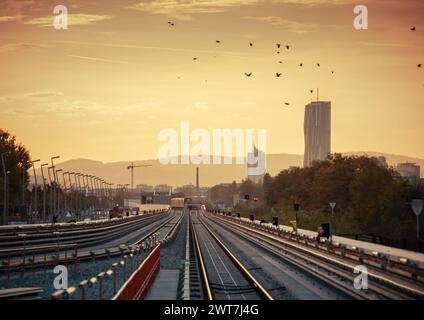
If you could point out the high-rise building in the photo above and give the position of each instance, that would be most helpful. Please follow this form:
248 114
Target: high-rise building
254 171
409 171
317 130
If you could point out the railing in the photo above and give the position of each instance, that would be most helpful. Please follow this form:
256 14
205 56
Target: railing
114 277
139 283
407 244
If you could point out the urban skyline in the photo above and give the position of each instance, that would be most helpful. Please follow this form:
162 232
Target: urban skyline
105 81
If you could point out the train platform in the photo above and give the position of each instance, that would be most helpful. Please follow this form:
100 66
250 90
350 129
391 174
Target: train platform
394 253
165 286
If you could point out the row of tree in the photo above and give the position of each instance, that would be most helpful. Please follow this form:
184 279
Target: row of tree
370 199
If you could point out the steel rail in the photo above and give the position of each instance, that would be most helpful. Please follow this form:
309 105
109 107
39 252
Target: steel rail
203 273
83 255
247 275
377 279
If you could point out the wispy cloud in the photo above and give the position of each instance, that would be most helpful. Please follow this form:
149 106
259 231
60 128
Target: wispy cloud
73 19
17 17
130 46
30 95
8 47
183 10
102 60
293 26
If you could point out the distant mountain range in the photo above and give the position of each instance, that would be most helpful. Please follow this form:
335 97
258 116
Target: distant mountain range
177 175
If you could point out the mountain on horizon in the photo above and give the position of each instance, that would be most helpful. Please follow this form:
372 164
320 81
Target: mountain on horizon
210 174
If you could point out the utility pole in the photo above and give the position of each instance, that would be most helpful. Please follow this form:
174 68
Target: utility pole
131 167
36 187
44 191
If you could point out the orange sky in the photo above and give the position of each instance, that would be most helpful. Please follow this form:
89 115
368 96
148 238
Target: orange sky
104 88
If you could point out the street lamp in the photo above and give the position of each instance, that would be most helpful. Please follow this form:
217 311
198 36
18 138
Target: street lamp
54 179
71 191
36 186
44 191
65 207
332 205
58 190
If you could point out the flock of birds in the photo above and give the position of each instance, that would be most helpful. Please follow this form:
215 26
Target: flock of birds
279 46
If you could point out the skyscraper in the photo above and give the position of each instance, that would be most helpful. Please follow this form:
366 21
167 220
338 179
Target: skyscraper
317 130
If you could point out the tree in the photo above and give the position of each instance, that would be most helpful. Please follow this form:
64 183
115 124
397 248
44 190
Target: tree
17 162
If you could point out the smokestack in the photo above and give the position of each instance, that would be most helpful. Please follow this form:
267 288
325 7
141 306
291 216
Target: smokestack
197 180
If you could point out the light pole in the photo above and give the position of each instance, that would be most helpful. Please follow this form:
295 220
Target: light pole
65 190
125 191
51 190
78 175
58 190
5 188
54 179
71 191
35 190
417 207
44 191
332 205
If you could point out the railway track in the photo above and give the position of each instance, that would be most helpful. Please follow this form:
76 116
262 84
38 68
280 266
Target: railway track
95 245
331 271
222 275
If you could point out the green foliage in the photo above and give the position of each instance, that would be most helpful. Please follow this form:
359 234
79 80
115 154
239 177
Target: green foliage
17 161
370 198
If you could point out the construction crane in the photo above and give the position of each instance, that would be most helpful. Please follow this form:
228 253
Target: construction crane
131 167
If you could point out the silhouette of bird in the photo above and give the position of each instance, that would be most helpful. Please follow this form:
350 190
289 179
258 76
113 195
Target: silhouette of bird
280 61
311 91
413 29
286 103
301 65
194 58
218 41
171 23
278 52
248 74
318 64
278 45
251 44
419 65
278 74
332 72
287 47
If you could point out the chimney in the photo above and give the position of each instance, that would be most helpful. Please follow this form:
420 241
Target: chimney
197 180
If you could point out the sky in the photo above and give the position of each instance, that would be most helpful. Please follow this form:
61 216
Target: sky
105 87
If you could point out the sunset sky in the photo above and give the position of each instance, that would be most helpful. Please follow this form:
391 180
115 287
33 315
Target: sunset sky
106 87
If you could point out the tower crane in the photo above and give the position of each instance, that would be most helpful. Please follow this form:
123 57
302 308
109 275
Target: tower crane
131 167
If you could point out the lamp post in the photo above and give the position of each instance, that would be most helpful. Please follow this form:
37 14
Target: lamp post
36 187
58 190
4 188
65 190
417 207
44 191
54 180
71 191
125 191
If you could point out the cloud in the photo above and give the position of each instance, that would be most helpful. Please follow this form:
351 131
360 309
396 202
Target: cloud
293 26
73 19
42 94
8 47
30 96
17 17
183 10
101 60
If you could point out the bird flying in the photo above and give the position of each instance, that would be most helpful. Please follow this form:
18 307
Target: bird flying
278 74
248 74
